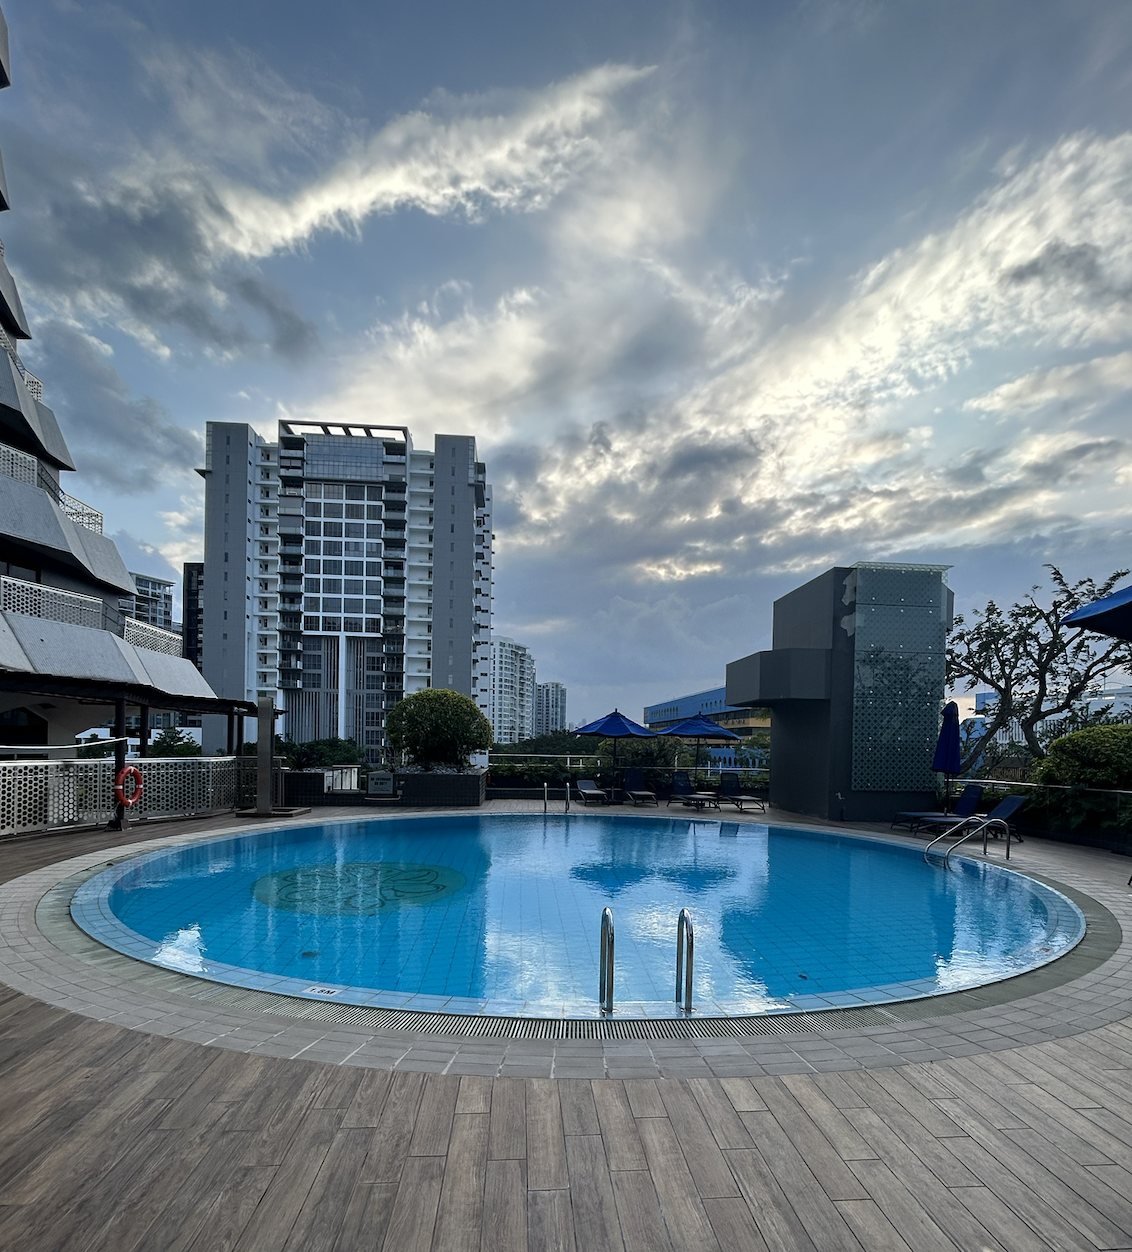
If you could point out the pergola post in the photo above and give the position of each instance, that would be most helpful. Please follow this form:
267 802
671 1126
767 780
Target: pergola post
239 734
119 821
231 732
143 730
265 747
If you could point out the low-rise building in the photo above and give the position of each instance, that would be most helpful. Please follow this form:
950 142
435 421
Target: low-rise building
713 704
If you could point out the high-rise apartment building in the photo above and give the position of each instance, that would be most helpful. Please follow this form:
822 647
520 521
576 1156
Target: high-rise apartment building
153 602
550 708
192 593
511 709
345 570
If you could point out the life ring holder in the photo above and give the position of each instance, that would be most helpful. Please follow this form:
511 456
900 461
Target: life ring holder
128 771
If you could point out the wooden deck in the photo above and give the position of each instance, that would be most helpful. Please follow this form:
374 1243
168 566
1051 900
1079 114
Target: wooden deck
115 1139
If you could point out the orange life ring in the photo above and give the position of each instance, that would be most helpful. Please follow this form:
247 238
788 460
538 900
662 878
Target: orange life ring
129 771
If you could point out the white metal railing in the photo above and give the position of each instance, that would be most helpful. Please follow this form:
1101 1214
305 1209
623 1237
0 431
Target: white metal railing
52 603
18 465
80 513
52 795
155 638
34 386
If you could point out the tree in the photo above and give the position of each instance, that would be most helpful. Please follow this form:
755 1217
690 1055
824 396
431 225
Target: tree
438 727
319 753
174 742
1038 669
93 747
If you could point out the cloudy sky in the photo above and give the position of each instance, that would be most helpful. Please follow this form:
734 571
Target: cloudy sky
728 291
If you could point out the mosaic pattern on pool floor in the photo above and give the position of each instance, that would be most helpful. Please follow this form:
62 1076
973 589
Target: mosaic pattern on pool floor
500 914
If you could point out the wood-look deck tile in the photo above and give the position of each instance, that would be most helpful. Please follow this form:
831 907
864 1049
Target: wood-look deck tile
459 1218
623 1146
550 1222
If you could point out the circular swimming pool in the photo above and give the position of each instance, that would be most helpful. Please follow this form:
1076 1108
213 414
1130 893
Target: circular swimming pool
501 914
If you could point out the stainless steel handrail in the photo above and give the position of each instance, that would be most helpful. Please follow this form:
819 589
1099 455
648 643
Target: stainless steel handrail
979 828
685 942
545 796
605 962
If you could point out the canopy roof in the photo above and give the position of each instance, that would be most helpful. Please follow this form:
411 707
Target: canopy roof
1110 616
616 725
700 727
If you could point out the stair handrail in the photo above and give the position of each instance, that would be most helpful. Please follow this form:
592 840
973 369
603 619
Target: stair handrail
685 951
605 962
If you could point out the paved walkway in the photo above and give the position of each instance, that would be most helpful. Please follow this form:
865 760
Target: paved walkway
123 1138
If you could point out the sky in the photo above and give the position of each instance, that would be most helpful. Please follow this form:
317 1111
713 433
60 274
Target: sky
728 292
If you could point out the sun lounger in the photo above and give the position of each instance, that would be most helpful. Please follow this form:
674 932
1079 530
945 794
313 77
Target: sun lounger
730 791
591 793
635 789
683 791
964 807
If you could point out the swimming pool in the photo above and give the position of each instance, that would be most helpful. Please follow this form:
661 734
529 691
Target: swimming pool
501 914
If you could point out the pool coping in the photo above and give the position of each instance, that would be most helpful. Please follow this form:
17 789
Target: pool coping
1091 986
90 910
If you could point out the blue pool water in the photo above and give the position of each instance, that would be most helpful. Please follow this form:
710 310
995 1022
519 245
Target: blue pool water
502 914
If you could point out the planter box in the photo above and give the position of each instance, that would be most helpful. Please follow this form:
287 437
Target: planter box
456 790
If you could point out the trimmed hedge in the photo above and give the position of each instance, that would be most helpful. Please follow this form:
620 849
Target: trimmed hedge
1098 756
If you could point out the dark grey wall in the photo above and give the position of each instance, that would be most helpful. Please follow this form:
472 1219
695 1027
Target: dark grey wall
453 562
811 683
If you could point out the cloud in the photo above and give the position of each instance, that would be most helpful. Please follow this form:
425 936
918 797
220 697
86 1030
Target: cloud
1070 389
170 241
123 442
657 425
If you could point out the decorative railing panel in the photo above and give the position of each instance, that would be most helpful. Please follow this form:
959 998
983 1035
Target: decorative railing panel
18 465
38 600
52 795
143 635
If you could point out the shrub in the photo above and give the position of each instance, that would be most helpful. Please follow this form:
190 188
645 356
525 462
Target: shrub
438 727
1099 756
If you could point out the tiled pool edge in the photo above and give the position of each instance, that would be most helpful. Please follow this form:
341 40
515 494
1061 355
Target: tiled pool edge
1094 995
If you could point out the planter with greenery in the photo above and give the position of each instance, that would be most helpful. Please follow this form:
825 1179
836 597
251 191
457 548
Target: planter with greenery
436 731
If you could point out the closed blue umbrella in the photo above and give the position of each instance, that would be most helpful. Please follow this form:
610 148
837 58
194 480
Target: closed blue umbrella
948 760
1111 616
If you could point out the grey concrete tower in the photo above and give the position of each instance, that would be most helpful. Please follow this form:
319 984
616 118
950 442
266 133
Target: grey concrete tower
855 684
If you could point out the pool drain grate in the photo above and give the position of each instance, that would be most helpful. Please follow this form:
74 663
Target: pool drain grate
469 1026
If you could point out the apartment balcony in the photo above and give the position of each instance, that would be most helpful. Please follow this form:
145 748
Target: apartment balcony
56 605
25 469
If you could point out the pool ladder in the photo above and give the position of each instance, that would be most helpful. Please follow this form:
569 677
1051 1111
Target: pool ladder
685 952
979 828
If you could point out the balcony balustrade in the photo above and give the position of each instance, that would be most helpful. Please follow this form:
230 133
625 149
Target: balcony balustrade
53 604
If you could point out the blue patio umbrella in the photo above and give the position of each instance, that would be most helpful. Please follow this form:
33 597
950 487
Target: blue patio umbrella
1111 616
947 760
699 728
616 726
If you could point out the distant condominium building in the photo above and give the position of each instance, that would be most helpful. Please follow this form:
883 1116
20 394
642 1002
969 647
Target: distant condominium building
192 603
153 602
511 709
345 570
550 708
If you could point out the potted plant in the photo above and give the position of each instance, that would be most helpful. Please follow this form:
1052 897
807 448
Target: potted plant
436 731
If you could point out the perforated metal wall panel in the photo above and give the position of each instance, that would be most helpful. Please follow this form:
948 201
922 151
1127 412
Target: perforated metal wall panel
898 678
